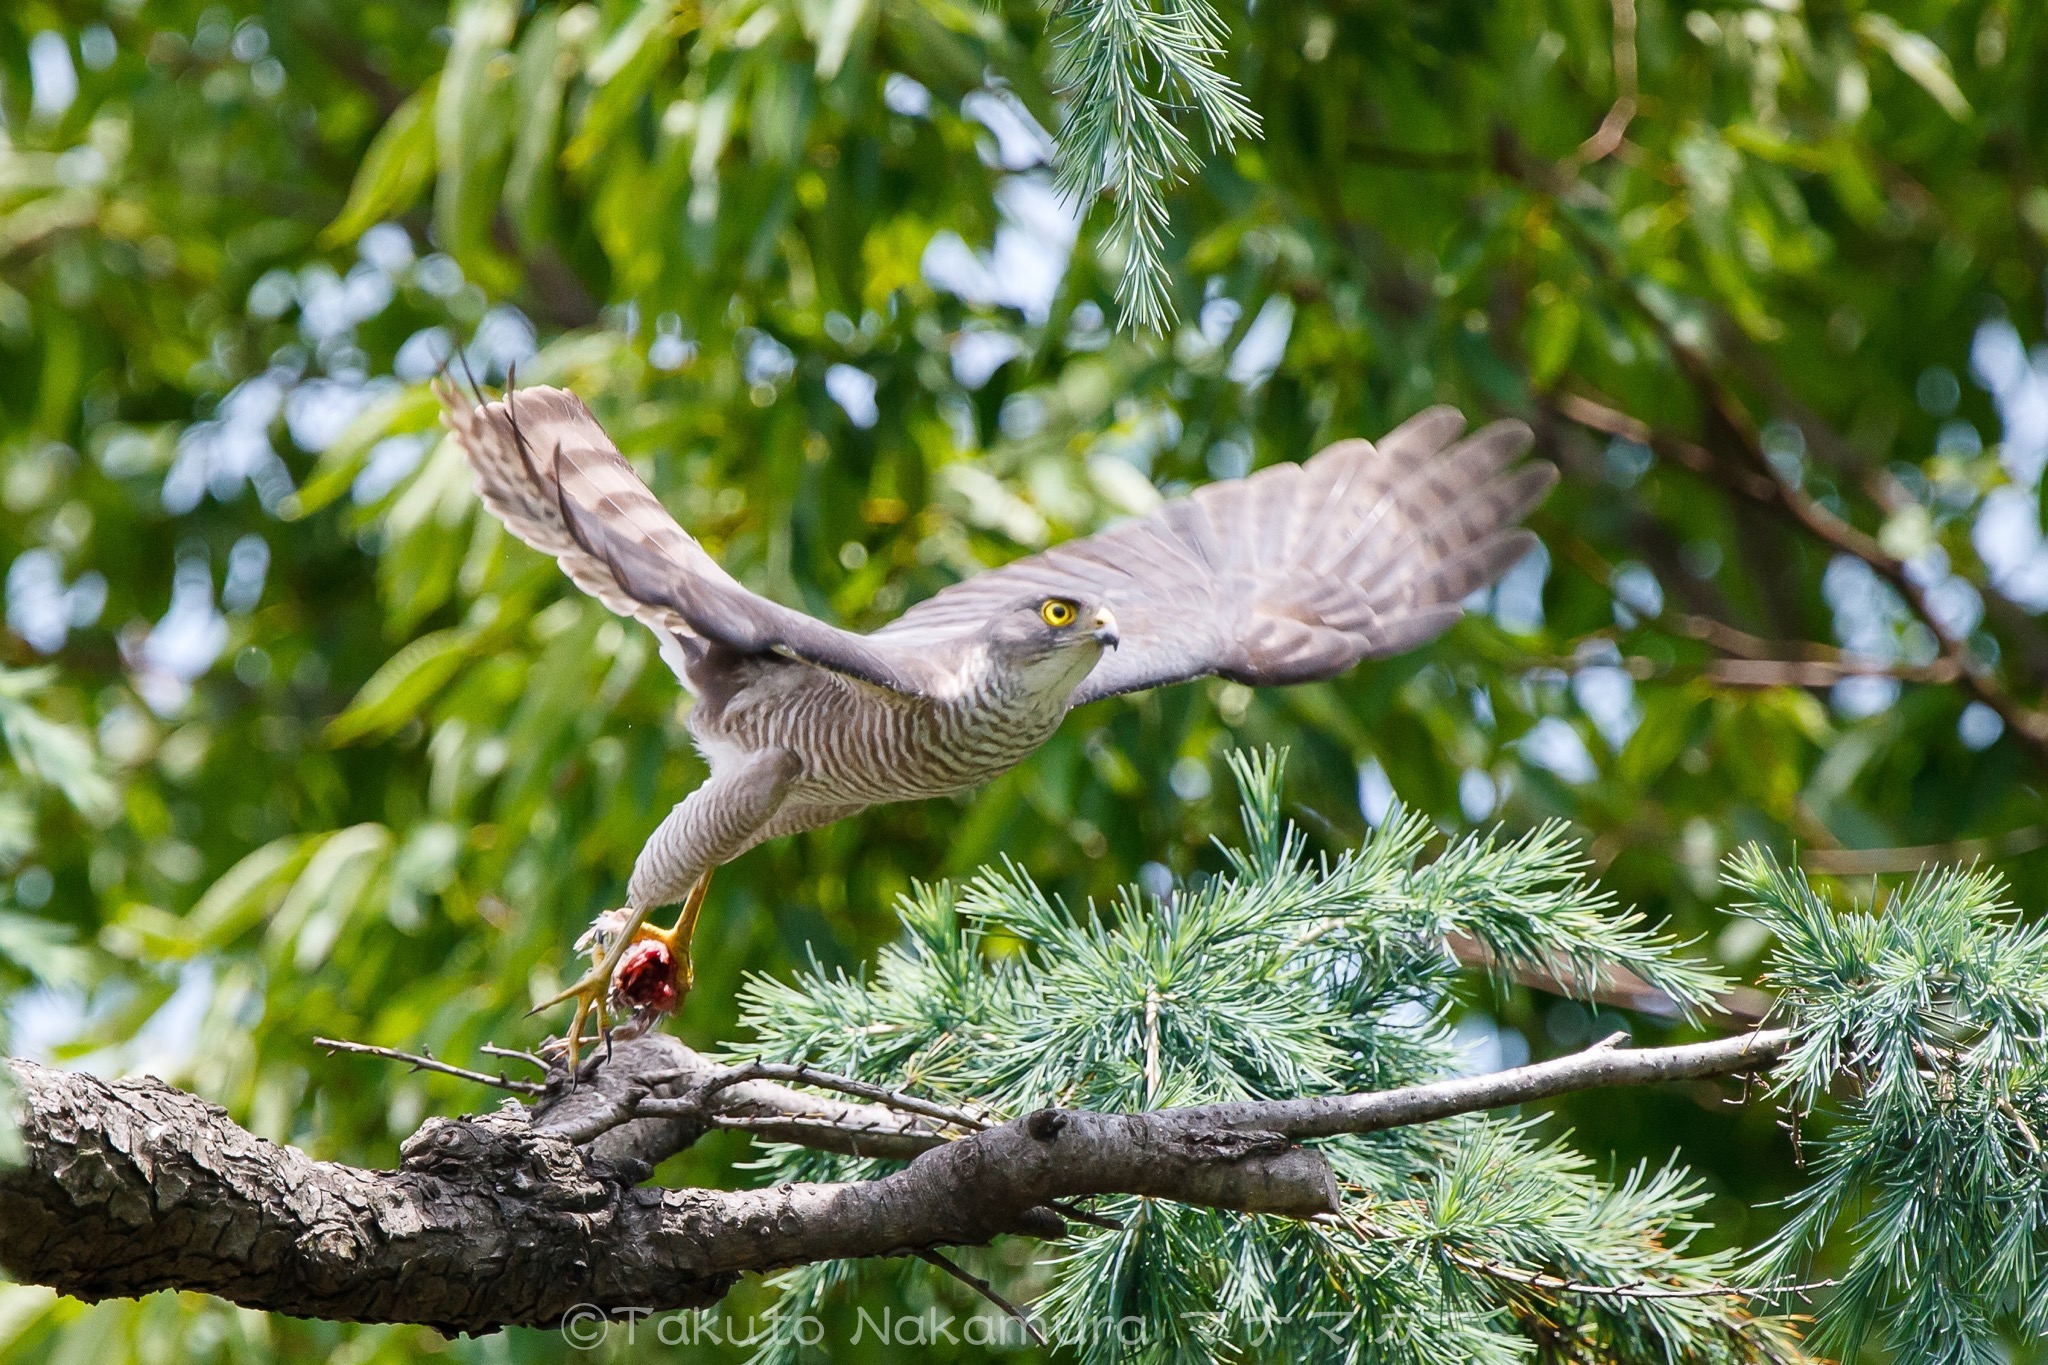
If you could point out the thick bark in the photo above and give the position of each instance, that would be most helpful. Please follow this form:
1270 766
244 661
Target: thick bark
131 1186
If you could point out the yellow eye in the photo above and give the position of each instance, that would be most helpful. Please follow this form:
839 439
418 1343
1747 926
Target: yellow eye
1058 612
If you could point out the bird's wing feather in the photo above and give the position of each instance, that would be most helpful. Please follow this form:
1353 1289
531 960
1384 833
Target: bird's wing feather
546 469
1291 575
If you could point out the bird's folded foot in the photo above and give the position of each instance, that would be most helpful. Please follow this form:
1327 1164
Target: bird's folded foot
590 995
656 973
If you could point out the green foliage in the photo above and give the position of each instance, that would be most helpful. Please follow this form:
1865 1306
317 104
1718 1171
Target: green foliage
1938 1010
1281 976
48 758
1126 69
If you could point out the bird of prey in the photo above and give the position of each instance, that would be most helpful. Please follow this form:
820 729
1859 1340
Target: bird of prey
1293 574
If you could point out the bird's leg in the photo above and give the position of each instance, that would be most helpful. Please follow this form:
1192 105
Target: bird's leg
677 937
593 991
714 824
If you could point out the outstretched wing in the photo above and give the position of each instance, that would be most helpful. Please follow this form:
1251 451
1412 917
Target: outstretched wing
1291 575
546 469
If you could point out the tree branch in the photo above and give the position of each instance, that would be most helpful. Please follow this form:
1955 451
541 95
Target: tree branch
1597 1067
427 1062
1613 129
1748 471
131 1186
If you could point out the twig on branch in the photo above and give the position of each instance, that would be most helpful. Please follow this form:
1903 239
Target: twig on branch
799 1128
1758 673
802 1073
1822 673
514 1054
1752 661
1866 862
1593 1068
422 1062
1760 485
1632 1289
983 1288
603 1111
1074 1213
1608 137
1615 985
1555 1284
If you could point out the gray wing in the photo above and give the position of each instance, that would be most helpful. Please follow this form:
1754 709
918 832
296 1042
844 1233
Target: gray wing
1291 575
546 469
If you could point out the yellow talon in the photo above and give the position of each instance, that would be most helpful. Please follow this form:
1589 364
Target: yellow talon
676 938
593 994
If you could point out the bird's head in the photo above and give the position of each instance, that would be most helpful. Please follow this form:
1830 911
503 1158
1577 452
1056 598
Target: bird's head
1052 640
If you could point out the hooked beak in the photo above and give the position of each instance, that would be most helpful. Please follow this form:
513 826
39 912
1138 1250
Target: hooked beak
1105 628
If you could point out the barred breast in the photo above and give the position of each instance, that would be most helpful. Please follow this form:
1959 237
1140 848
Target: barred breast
863 745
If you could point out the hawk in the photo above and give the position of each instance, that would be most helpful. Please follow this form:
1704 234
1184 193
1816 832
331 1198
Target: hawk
1293 574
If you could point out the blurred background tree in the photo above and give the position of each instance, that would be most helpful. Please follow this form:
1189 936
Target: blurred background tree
297 742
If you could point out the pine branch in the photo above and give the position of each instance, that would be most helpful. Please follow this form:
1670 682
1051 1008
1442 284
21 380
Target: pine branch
131 1186
1598 1067
1126 68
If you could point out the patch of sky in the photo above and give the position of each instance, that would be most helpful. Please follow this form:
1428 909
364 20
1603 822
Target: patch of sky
248 566
1484 1046
1607 694
387 465
97 47
1141 431
1230 457
219 456
853 389
979 351
41 608
906 96
1156 880
41 1021
1265 341
1088 327
1019 142
331 304
387 247
670 349
421 355
1375 793
53 80
1028 259
1784 446
317 411
763 359
182 645
504 340
1979 726
1219 315
2007 533
1478 794
1190 779
1637 594
1553 745
1871 621
1517 600
1625 461
1864 695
